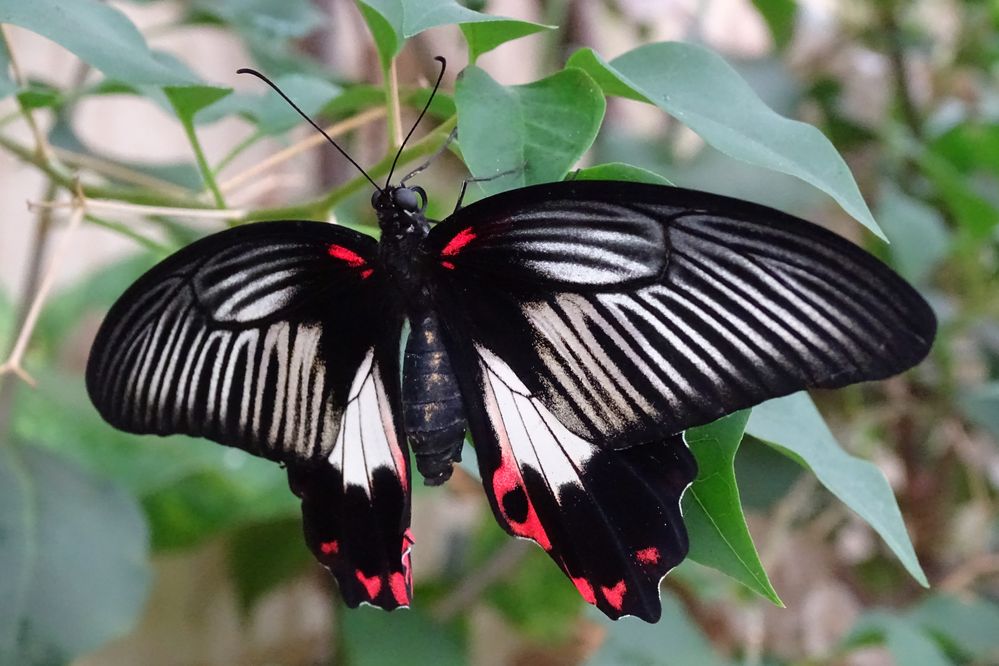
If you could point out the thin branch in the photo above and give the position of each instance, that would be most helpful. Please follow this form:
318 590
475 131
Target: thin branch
320 208
13 363
308 143
63 178
139 209
471 587
967 574
122 173
128 232
42 148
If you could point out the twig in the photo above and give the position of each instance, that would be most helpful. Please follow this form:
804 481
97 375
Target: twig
60 176
122 173
308 143
139 209
13 363
475 583
319 208
42 148
127 232
986 564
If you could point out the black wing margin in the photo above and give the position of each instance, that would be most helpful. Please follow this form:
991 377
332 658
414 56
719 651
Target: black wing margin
635 311
278 338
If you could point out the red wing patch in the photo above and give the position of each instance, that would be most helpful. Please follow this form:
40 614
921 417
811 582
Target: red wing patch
460 240
351 258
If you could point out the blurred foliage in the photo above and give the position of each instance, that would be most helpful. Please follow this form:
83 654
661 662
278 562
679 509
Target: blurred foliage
81 504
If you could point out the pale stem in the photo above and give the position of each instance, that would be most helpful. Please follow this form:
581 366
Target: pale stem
313 140
13 362
41 144
395 119
139 209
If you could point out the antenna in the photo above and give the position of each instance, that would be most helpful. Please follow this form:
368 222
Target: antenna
247 70
426 106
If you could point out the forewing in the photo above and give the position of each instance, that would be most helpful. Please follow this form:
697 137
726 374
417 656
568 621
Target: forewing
737 304
609 518
281 339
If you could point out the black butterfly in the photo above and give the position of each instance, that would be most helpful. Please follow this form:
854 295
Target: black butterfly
575 328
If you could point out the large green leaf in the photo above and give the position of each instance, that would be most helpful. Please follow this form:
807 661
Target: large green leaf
712 511
536 131
98 34
74 559
918 235
373 637
272 114
907 642
702 91
674 641
273 19
793 425
966 625
392 22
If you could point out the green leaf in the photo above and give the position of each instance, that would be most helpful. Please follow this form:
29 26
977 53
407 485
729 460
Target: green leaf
619 171
981 405
392 22
780 16
74 559
264 555
273 19
674 641
712 511
702 91
271 113
536 131
918 235
794 426
187 101
965 625
485 35
248 490
905 640
98 34
373 637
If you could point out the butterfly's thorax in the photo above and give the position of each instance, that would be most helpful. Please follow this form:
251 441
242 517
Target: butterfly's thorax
433 414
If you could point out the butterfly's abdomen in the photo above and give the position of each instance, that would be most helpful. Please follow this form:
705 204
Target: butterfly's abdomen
433 411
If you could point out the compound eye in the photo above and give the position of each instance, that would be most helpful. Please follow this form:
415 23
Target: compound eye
406 199
375 196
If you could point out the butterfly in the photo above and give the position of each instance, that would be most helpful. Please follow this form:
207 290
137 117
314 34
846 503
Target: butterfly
574 329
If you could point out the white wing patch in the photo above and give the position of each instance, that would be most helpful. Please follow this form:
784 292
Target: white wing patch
367 439
528 433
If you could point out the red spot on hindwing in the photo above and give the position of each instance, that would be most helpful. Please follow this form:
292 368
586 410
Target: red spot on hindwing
648 555
615 595
460 240
507 478
351 258
399 587
585 589
448 265
372 585
330 547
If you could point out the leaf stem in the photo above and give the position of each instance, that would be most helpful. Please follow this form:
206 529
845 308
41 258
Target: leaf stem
391 82
313 140
13 363
199 156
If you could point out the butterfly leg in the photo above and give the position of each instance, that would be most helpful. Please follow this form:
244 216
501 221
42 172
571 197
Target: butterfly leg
484 179
437 153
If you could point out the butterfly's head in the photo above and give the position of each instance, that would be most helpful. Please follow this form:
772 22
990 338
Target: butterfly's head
399 208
